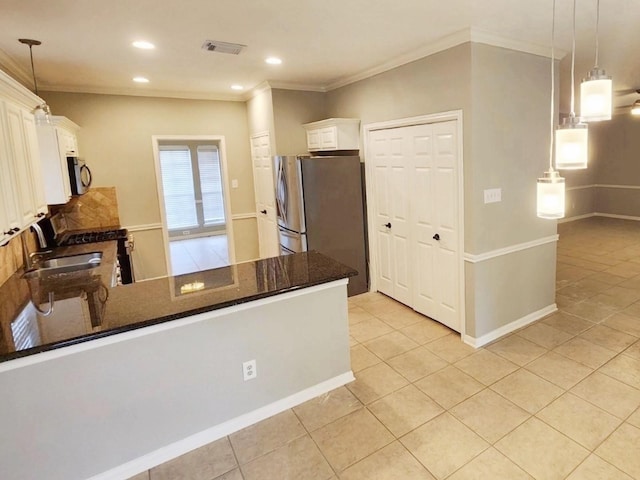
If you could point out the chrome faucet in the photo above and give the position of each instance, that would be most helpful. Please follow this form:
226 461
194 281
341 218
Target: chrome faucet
41 240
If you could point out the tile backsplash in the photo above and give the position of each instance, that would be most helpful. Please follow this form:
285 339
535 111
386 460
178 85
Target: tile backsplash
11 254
98 208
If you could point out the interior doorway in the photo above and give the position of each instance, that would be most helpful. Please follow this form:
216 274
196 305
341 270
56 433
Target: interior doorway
194 202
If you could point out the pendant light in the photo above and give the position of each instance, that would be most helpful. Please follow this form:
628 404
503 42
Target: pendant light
550 188
42 112
597 89
635 108
572 138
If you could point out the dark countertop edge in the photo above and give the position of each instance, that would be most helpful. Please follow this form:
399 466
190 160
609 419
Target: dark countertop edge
156 321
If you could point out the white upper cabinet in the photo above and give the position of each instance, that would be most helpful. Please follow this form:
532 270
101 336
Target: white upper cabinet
57 141
21 184
28 179
333 134
9 219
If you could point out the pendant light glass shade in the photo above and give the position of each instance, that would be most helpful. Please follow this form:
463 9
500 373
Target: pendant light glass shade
550 192
635 109
595 96
572 144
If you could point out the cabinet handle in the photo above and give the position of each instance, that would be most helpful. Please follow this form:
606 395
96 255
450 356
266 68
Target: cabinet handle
436 237
8 232
388 225
14 230
39 215
263 211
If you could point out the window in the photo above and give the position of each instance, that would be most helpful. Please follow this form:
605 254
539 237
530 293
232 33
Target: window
192 184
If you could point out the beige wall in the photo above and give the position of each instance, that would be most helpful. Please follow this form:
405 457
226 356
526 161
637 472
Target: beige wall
505 107
613 167
292 109
115 140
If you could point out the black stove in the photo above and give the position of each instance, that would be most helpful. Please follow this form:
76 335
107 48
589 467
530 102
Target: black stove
93 237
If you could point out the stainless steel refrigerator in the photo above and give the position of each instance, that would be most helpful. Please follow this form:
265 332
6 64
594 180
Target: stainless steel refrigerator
320 206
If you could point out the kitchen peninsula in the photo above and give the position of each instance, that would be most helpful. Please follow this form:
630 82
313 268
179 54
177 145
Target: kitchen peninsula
161 373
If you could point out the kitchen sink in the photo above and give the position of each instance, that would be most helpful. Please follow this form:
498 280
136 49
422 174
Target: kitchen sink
64 264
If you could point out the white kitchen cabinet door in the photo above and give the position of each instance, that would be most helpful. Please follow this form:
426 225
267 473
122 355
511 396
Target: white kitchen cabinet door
18 155
265 195
53 144
416 204
33 155
9 218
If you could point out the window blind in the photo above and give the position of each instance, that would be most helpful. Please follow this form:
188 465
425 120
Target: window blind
211 185
177 183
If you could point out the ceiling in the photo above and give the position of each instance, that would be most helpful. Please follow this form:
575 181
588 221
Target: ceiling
86 44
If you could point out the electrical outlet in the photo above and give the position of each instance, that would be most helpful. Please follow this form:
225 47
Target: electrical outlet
493 195
234 183
249 371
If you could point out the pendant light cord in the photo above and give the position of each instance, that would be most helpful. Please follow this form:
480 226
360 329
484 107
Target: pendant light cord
573 60
33 70
597 29
553 79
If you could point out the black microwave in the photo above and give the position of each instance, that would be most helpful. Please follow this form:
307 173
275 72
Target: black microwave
79 176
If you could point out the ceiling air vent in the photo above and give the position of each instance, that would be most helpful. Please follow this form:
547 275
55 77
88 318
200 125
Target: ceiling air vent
222 47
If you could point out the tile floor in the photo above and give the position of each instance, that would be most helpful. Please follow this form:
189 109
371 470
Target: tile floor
196 254
558 399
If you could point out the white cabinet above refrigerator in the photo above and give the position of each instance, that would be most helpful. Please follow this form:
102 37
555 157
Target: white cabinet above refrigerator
57 141
333 134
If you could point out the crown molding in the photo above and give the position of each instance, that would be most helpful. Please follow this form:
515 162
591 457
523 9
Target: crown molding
11 88
301 86
440 45
488 38
135 92
15 70
466 35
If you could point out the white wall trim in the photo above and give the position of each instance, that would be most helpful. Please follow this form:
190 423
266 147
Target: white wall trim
160 327
244 216
481 257
144 227
599 214
478 342
603 185
581 187
211 434
577 217
624 187
613 215
452 115
445 43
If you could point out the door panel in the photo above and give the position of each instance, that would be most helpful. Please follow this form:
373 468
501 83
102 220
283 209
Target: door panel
268 242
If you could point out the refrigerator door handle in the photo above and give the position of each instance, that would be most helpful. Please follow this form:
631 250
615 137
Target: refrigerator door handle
281 192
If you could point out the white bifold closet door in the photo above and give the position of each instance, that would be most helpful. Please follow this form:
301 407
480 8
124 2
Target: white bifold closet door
416 214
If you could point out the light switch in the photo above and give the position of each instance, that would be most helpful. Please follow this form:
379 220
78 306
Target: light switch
234 183
493 195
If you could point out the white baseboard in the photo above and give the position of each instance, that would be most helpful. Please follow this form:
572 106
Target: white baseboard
577 217
598 214
478 342
613 215
169 452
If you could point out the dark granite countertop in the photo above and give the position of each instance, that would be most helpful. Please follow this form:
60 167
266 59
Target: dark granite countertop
87 306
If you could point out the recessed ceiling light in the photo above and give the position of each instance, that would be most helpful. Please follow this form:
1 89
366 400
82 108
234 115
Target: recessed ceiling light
143 44
140 80
273 61
237 87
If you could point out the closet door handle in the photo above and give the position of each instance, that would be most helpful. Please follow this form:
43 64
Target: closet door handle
388 225
436 237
